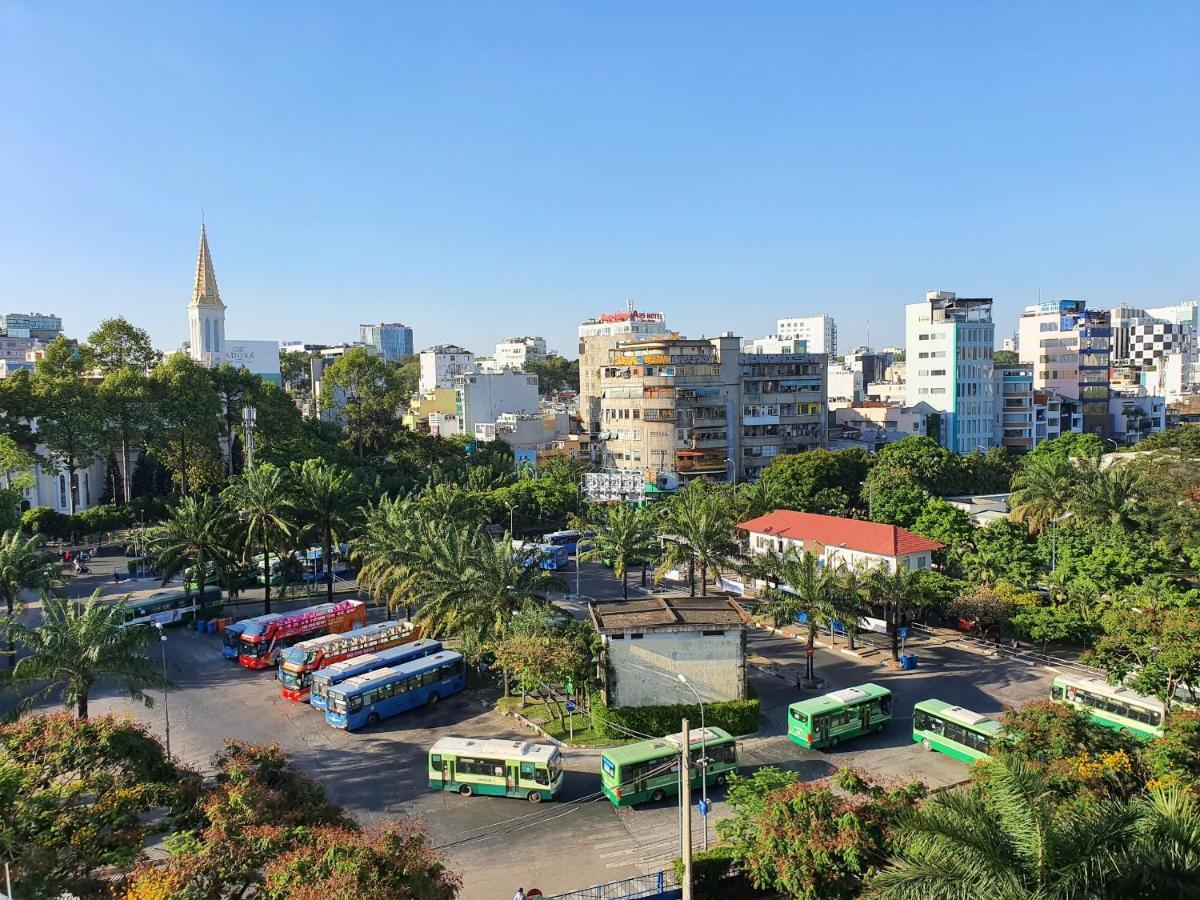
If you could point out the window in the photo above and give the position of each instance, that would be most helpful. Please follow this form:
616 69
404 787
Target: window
436 760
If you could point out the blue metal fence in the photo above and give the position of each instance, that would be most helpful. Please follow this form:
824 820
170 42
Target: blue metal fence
659 885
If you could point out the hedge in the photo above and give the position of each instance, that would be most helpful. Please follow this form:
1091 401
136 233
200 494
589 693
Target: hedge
714 876
735 716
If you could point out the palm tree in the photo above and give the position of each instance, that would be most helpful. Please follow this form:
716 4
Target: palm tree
895 591
77 644
1164 859
624 534
852 597
755 498
194 536
1043 490
699 531
328 503
1006 840
23 566
1108 496
804 587
265 512
386 550
983 563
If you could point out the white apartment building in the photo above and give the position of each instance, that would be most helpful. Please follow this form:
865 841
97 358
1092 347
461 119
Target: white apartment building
844 386
773 343
484 397
1070 348
597 337
950 341
440 365
514 352
819 333
525 431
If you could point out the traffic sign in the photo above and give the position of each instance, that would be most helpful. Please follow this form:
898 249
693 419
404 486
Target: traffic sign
902 632
571 706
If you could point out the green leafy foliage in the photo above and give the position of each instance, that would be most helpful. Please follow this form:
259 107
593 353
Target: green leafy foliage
555 374
1154 650
820 481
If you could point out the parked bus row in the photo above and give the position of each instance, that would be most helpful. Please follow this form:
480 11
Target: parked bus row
842 715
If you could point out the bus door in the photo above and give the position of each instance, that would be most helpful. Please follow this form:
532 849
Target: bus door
512 775
865 716
820 725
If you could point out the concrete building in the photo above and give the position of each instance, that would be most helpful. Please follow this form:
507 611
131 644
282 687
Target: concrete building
648 643
950 343
426 403
525 431
442 364
887 391
1136 416
392 340
819 333
1015 410
596 338
782 407
514 352
872 424
1070 349
35 326
16 350
837 541
484 397
845 386
772 343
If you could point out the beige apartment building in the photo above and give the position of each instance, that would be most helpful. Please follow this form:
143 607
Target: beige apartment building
597 337
677 409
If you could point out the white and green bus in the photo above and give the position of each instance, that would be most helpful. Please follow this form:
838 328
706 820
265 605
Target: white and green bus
828 720
649 770
953 730
1111 705
171 606
497 768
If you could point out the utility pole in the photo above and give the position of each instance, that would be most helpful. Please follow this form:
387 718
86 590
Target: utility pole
685 810
162 642
249 419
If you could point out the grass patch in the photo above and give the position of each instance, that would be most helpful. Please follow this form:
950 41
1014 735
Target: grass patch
584 734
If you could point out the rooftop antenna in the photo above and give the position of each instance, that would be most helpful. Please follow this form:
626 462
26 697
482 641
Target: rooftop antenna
629 304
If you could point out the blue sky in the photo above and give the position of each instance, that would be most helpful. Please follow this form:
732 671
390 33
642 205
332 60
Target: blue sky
484 169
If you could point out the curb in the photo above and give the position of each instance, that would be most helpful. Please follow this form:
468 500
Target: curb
530 724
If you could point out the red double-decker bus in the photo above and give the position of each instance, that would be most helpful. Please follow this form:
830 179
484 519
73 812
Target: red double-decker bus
264 637
297 663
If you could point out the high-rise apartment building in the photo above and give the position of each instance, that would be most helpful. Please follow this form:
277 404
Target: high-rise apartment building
675 409
441 364
596 338
950 341
1070 348
819 333
392 340
39 326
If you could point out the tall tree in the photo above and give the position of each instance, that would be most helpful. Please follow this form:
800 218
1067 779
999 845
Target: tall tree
804 587
623 534
234 387
897 592
185 432
17 467
128 413
266 516
328 502
367 390
77 644
698 531
194 537
118 344
24 566
1107 496
1155 648
69 423
1008 840
1043 490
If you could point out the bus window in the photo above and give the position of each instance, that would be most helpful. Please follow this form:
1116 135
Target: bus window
541 777
435 761
799 716
885 706
527 770
1056 692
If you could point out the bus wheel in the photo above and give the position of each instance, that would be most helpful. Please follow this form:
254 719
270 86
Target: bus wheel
720 780
434 698
534 797
879 728
372 720
465 790
657 796
925 743
833 742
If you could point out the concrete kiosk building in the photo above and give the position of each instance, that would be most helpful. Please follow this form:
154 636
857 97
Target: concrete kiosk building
648 643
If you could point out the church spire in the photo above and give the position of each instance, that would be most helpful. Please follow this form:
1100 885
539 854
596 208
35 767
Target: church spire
205 292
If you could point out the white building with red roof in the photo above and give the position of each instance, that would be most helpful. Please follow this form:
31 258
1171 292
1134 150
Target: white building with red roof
835 540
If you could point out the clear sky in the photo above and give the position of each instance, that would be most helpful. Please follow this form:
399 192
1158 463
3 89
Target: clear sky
483 169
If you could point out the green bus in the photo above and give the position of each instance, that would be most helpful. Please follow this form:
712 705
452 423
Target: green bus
498 768
649 770
1111 705
828 720
171 606
953 730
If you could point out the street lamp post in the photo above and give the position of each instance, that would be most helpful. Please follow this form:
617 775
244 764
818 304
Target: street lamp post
703 757
162 639
511 509
249 419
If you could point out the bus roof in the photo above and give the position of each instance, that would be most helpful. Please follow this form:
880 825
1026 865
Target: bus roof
361 682
525 750
656 747
378 628
379 658
1114 691
838 699
149 599
961 715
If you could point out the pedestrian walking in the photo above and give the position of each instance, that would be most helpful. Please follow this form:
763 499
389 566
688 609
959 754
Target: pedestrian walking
520 894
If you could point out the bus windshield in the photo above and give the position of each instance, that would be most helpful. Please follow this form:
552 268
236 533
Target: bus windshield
297 656
230 638
253 649
337 702
291 680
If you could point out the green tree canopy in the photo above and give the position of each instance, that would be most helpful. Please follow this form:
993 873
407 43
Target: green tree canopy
819 481
118 344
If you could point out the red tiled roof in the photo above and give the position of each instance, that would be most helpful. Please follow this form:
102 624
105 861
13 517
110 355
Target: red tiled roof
834 531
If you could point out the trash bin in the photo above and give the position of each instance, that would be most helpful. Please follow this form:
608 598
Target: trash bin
908 661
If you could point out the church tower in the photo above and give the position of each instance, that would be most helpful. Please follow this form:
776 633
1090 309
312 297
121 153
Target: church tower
206 312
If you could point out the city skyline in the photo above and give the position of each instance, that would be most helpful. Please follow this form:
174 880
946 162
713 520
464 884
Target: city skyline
531 168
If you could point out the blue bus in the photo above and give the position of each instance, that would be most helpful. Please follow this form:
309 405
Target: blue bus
324 679
553 556
568 539
368 699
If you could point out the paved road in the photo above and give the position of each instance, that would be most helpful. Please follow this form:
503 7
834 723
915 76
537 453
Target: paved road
497 843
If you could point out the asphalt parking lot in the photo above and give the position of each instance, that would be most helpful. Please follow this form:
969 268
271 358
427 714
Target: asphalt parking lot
579 839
